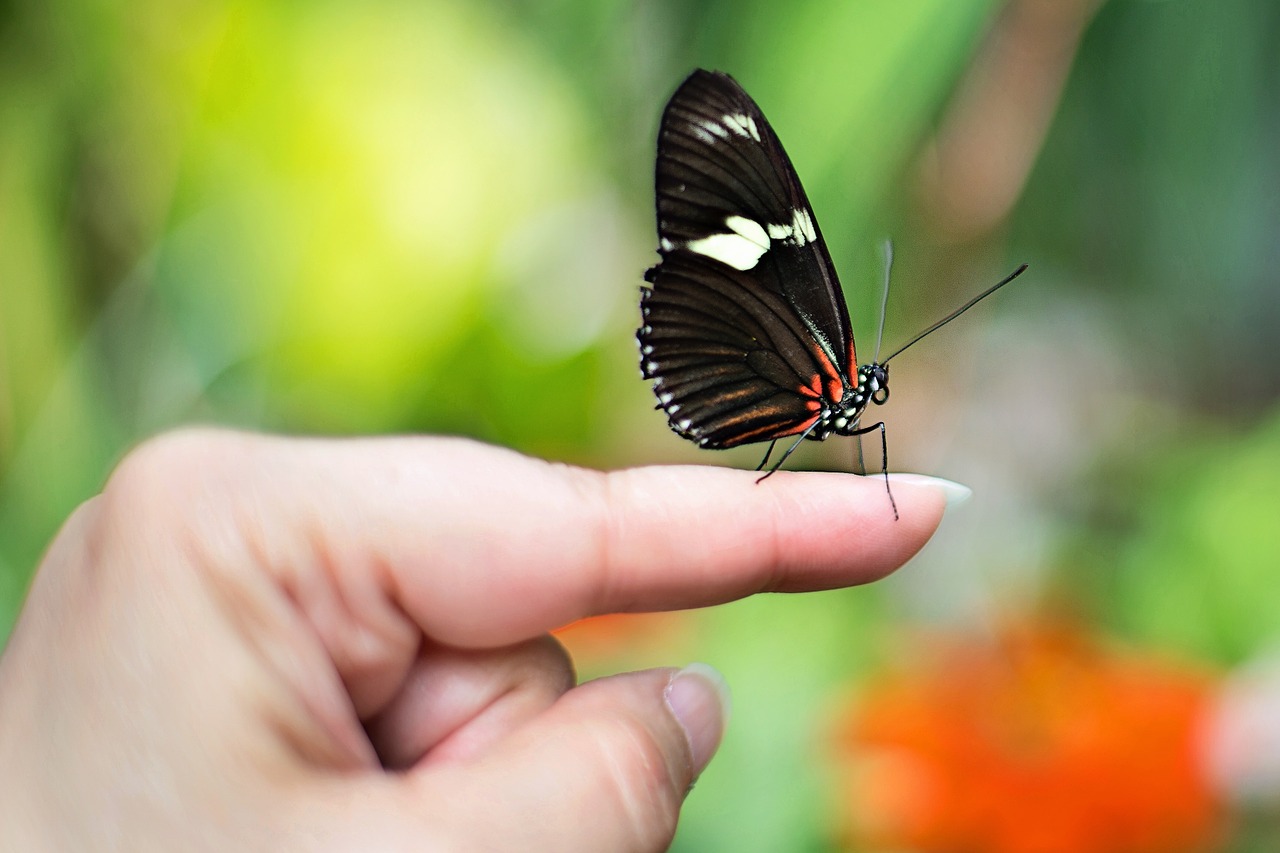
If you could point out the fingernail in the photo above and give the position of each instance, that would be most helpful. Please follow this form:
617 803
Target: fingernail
954 493
698 697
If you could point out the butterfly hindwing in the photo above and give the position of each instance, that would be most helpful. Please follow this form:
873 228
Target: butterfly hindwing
725 356
745 326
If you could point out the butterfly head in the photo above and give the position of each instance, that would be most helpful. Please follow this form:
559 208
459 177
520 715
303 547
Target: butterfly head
872 387
873 383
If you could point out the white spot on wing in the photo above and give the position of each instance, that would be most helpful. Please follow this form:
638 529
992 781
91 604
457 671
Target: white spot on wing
730 249
799 230
743 125
701 132
748 228
740 249
802 222
715 129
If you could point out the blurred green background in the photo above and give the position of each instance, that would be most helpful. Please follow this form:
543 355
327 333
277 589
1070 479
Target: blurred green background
393 216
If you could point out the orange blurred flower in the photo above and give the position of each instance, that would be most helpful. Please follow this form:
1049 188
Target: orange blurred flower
634 639
1046 742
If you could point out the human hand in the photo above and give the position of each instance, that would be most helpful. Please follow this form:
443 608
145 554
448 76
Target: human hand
263 643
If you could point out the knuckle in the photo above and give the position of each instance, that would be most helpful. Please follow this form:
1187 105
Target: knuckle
163 464
168 488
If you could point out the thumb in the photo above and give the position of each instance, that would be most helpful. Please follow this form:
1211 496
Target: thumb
606 767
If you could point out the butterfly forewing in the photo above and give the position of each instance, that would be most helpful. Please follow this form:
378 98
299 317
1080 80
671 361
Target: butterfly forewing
745 327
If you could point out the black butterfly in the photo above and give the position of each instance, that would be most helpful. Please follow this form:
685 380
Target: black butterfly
746 334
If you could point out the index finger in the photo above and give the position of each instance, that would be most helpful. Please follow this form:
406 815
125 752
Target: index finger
482 546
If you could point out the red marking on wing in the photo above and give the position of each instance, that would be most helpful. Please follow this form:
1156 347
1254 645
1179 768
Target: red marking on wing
835 385
766 432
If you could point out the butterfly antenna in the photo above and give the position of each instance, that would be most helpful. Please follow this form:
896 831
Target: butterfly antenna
956 313
884 299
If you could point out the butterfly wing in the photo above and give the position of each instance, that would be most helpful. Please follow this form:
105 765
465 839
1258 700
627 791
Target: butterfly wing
745 329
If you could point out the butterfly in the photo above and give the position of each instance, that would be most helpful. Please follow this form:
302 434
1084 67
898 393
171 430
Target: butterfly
745 332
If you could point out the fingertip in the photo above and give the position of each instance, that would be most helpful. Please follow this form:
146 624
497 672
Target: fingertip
953 493
606 767
698 697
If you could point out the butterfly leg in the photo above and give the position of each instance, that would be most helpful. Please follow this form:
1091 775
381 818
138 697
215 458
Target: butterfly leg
790 449
767 454
884 457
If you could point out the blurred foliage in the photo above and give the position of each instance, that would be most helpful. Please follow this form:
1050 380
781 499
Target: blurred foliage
1158 188
1200 551
392 216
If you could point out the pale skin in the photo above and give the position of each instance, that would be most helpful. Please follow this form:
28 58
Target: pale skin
259 643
